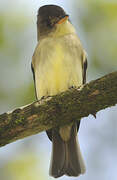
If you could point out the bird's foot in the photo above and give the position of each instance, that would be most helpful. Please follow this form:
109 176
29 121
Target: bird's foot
73 87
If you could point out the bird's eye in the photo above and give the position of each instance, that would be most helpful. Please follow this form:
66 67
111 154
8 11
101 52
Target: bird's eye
48 24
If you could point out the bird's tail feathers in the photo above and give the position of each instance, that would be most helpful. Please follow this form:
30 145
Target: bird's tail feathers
66 156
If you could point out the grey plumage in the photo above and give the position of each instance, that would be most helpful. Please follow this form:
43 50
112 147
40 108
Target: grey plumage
66 156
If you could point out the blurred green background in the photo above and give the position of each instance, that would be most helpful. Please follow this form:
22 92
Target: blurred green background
96 24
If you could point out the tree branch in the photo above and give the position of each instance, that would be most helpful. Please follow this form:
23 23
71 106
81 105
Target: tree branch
58 110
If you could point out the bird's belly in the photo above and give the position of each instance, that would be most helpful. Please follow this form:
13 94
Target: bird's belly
58 72
55 79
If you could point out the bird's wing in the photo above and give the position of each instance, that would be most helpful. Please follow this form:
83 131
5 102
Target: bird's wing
84 70
84 66
33 71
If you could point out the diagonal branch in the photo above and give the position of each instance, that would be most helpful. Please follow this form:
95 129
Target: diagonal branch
58 110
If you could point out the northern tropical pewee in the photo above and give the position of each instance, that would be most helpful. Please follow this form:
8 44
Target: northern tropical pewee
58 63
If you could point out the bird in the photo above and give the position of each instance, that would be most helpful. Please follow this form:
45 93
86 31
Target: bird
59 62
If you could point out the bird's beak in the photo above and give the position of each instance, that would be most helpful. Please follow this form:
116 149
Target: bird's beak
63 19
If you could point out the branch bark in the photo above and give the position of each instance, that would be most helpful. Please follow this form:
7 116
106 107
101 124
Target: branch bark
58 110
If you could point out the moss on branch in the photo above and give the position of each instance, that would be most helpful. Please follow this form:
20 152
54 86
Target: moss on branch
58 110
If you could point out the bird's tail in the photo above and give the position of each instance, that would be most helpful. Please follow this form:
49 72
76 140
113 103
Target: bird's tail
66 156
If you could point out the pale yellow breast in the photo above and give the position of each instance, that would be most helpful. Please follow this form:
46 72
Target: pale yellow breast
58 65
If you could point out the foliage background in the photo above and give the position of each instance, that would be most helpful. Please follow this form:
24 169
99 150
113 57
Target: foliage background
96 24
